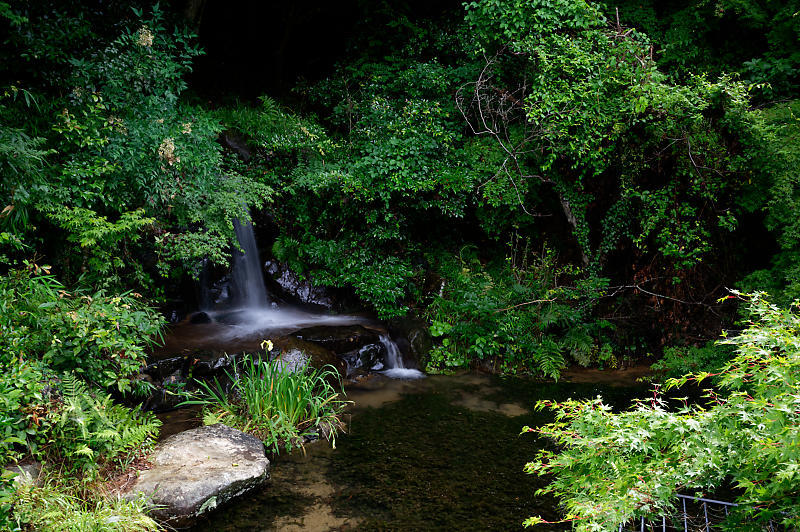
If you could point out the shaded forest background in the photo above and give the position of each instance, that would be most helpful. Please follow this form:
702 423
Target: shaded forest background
545 183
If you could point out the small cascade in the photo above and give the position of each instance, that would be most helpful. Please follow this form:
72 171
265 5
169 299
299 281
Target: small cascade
247 279
249 316
395 367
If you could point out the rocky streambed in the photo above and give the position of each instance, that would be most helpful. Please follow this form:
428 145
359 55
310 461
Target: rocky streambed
206 344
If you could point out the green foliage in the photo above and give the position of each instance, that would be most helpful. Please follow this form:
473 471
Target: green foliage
102 338
105 243
22 159
382 281
89 430
127 156
356 199
679 361
521 315
613 467
45 329
756 39
56 506
580 108
23 420
781 129
278 404
142 148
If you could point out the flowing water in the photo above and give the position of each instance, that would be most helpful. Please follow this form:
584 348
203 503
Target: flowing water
436 453
247 279
395 367
249 316
442 453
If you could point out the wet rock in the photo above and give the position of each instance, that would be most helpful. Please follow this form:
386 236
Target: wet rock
291 287
199 469
175 315
168 393
235 142
339 339
367 358
174 380
166 366
213 364
199 318
296 354
413 338
145 379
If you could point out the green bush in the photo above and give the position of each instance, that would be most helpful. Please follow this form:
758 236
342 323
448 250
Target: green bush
678 361
100 337
88 430
614 467
277 404
524 316
23 410
56 507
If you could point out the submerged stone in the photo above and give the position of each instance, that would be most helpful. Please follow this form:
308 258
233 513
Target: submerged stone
200 317
199 469
296 354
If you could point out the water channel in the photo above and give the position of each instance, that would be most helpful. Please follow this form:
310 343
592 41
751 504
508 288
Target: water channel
440 453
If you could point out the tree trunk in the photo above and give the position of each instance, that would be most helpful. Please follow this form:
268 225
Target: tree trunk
573 222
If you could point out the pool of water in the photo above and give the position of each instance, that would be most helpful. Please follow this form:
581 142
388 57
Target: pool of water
441 453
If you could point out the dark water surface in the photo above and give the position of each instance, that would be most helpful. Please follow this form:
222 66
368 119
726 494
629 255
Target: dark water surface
442 453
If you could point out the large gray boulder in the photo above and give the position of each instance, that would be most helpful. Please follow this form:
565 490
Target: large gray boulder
196 470
26 474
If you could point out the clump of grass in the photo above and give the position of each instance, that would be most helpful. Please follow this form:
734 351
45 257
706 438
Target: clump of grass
57 506
274 403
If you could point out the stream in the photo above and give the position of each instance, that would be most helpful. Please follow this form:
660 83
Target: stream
440 453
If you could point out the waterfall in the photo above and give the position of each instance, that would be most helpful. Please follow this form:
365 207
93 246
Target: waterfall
247 278
395 367
250 312
394 358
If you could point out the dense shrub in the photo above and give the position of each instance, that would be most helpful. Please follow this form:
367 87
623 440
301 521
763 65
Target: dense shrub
100 337
55 507
614 467
516 315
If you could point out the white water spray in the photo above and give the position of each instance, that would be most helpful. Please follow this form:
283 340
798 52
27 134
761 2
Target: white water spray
248 281
395 367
